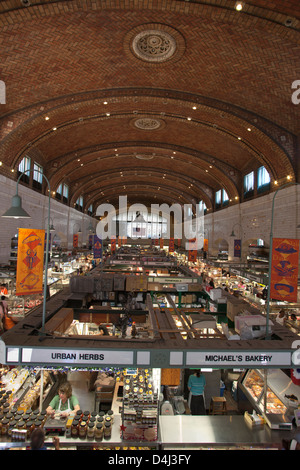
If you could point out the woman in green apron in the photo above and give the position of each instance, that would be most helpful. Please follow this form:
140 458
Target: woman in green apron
63 403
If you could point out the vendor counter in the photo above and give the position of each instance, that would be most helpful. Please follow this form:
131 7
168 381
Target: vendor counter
183 432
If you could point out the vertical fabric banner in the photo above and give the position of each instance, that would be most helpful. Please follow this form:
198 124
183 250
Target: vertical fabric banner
192 244
75 240
284 273
161 243
237 248
113 243
97 247
30 264
179 241
205 244
156 243
119 241
90 242
192 255
171 245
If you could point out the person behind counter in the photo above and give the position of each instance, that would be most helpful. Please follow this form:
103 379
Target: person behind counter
64 402
196 385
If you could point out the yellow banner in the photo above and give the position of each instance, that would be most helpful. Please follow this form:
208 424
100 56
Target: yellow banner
30 264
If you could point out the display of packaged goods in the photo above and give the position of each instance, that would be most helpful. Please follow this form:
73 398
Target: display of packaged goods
140 407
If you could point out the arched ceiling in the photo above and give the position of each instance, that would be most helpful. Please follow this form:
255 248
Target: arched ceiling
166 101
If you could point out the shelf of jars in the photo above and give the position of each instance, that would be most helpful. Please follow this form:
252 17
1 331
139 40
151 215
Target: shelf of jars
139 414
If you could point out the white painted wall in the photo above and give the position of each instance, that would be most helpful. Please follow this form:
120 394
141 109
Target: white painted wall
253 219
66 220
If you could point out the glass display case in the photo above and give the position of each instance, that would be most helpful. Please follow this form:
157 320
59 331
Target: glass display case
253 386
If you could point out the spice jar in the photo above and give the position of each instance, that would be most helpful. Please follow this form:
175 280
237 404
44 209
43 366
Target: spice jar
74 428
107 430
29 428
82 429
110 414
21 424
90 430
4 429
11 426
99 431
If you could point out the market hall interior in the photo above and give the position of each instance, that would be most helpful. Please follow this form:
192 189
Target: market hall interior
193 104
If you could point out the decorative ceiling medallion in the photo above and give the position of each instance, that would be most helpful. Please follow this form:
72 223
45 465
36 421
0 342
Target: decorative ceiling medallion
147 124
155 43
154 46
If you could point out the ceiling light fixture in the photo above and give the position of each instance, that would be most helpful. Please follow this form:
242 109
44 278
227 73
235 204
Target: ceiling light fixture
239 6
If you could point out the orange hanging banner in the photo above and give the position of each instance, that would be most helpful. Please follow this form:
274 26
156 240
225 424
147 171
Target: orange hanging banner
30 264
113 243
205 244
161 243
192 255
75 240
284 272
171 245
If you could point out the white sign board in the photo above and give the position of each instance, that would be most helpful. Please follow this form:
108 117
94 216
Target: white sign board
84 357
247 359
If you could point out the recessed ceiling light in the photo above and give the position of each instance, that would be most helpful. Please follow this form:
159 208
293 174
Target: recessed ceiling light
249 129
105 102
47 118
239 138
194 107
239 6
107 114
288 177
189 118
275 182
54 128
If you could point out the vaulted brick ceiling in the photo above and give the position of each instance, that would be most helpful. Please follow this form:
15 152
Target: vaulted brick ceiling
163 101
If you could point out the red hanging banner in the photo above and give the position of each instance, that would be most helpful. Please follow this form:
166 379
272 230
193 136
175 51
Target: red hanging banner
284 273
171 245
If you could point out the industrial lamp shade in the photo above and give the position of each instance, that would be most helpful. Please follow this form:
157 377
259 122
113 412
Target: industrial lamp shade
232 234
51 228
16 211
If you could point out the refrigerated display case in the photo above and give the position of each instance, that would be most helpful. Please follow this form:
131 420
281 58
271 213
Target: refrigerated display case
254 385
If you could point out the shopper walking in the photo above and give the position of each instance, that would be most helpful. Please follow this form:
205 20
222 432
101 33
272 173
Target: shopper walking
7 322
196 386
